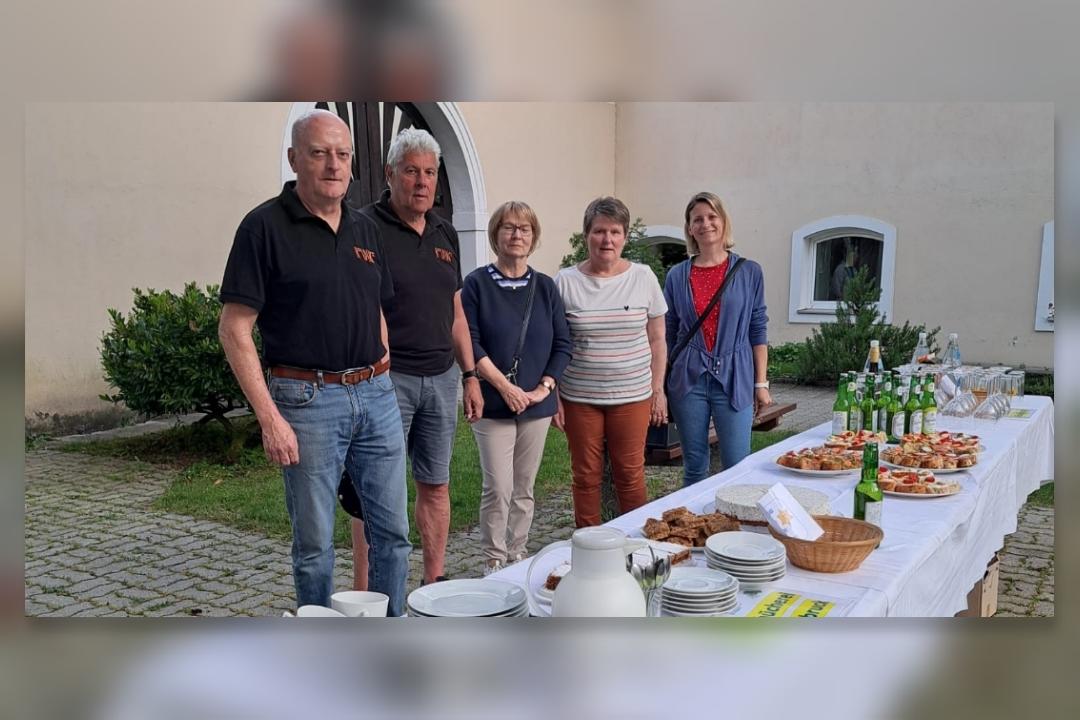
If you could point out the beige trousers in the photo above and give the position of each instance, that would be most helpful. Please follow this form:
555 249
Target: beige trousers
510 454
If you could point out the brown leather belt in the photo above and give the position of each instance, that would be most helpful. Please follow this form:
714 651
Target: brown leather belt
351 377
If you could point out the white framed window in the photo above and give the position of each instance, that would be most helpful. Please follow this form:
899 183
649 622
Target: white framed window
826 252
1044 300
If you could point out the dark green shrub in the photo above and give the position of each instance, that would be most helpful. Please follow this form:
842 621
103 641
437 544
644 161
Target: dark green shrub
164 358
784 360
842 345
1036 384
635 250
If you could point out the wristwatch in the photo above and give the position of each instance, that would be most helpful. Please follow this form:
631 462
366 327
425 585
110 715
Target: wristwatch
761 385
469 374
548 384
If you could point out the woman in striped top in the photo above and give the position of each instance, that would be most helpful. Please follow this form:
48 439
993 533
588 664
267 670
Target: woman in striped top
614 385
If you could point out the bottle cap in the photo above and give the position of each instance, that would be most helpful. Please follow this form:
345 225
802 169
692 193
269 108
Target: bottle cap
873 343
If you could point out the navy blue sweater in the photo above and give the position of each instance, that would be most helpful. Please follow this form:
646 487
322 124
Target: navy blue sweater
495 315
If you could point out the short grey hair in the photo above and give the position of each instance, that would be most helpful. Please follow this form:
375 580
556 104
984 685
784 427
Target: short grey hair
411 140
300 127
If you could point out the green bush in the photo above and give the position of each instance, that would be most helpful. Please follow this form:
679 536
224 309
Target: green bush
842 345
1036 384
784 360
164 358
636 250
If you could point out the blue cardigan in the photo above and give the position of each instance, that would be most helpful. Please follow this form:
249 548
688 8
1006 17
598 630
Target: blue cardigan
742 325
495 315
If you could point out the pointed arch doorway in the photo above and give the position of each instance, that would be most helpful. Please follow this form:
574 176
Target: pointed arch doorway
460 195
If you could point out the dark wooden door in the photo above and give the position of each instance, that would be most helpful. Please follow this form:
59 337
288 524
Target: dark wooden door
373 126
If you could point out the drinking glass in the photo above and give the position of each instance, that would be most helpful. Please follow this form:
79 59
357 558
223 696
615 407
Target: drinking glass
1018 385
992 407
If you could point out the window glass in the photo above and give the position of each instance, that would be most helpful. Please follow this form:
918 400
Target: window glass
836 259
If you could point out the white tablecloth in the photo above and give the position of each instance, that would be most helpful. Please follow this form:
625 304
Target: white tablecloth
934 549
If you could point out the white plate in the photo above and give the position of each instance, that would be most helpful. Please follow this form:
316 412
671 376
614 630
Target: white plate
745 546
936 471
696 604
738 573
817 473
700 581
714 610
467 598
676 613
744 578
748 564
922 496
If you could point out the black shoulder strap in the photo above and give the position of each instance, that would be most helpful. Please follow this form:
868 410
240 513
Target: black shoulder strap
708 309
512 374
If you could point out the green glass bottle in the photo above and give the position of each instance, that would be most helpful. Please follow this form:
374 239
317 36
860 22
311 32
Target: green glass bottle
929 407
855 412
868 406
895 427
883 404
841 407
913 408
868 495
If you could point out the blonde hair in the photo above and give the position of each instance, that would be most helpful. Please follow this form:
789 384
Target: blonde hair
523 211
717 206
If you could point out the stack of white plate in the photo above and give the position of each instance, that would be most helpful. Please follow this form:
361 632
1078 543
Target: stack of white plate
753 559
468 598
698 591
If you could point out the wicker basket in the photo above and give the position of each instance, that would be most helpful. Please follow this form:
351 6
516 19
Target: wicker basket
843 547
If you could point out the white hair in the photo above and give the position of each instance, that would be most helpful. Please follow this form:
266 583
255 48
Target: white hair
300 127
412 140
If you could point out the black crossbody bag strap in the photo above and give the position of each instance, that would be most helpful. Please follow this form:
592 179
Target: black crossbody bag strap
511 374
701 318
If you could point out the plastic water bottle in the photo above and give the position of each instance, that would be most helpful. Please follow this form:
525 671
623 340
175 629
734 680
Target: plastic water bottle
922 351
951 357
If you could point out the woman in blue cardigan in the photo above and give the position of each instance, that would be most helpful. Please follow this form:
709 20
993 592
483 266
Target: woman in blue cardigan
721 371
518 387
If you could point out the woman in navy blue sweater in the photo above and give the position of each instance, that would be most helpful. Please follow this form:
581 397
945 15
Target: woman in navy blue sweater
519 396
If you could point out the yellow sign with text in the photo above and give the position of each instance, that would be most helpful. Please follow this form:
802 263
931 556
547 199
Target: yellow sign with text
813 608
775 604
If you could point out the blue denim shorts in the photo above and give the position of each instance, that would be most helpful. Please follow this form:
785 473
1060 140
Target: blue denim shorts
429 414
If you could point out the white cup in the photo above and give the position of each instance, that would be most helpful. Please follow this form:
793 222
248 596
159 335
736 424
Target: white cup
360 603
316 611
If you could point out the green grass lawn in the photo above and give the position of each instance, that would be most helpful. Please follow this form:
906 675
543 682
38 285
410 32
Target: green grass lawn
1044 496
250 494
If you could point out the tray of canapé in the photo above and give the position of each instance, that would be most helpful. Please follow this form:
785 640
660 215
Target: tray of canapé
942 452
841 454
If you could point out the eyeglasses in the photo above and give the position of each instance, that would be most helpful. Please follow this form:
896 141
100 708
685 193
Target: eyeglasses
525 230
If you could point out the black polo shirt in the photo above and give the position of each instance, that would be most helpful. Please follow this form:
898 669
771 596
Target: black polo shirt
317 292
427 273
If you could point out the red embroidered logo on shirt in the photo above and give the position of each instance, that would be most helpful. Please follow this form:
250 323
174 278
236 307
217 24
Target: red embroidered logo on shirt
444 255
367 256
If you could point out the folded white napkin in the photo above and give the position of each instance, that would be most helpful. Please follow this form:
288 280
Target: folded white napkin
786 516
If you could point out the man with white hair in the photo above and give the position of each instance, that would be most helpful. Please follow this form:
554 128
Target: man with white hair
428 329
311 273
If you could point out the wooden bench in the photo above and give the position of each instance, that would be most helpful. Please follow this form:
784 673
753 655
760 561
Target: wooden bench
767 420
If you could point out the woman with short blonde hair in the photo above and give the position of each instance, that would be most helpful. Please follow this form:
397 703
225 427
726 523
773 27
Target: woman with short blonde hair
719 372
520 371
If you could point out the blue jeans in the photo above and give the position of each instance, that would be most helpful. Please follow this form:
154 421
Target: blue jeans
705 401
339 427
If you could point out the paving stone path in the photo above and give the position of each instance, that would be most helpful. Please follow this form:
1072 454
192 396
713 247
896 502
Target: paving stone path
96 547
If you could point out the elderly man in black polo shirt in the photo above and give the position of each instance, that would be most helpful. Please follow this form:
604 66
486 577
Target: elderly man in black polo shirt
427 330
312 274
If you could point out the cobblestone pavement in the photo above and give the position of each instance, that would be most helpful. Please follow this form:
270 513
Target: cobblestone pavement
96 547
